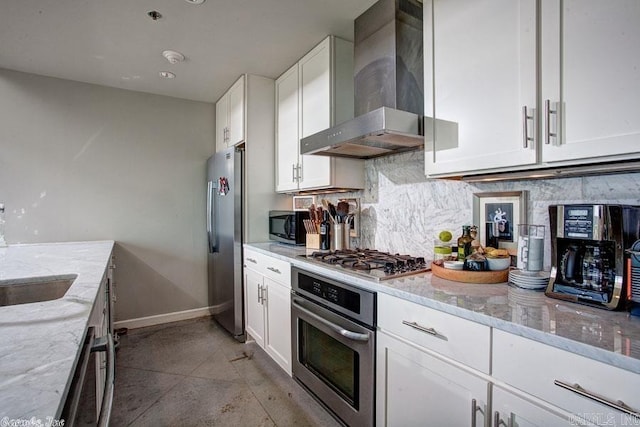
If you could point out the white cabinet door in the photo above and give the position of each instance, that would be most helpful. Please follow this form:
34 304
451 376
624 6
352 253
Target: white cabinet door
417 389
287 135
482 76
278 331
222 110
255 309
511 410
236 113
315 111
591 71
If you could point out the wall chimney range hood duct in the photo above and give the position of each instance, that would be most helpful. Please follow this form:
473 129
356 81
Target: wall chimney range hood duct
388 86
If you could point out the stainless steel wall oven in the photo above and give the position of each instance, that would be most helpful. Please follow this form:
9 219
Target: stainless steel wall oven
333 344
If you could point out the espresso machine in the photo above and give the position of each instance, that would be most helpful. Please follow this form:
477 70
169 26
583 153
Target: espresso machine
590 252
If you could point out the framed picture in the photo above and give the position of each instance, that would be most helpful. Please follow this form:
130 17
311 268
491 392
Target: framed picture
497 215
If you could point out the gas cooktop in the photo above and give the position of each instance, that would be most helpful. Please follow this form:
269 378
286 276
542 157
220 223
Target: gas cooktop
370 263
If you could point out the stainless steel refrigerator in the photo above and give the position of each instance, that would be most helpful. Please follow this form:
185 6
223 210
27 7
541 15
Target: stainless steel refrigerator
225 236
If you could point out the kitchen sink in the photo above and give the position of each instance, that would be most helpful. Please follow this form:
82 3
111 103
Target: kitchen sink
34 290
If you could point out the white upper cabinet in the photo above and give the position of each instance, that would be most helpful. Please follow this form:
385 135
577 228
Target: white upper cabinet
230 120
505 97
590 79
480 75
313 95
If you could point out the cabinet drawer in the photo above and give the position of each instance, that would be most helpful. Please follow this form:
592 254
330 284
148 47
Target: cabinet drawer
462 340
273 268
536 369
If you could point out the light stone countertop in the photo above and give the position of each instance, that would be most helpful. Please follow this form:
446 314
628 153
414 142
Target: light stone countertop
609 337
40 342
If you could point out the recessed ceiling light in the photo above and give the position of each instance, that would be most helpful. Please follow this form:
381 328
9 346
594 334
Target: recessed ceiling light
167 75
154 14
194 1
172 56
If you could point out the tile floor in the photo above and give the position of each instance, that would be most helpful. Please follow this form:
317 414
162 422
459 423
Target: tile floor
192 373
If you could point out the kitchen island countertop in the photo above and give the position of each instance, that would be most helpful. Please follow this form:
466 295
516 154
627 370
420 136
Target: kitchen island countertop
609 337
40 342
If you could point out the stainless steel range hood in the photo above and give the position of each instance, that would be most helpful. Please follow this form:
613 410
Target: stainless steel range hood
388 86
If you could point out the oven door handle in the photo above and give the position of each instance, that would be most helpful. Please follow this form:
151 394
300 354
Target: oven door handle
354 336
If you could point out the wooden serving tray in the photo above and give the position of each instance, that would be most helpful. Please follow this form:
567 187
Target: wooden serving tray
466 276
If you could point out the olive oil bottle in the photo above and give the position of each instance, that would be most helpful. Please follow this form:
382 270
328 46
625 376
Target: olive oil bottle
464 243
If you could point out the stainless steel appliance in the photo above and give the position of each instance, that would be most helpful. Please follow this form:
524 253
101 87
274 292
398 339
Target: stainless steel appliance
333 345
588 244
225 237
371 264
388 86
288 226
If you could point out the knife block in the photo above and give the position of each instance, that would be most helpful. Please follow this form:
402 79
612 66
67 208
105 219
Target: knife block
313 241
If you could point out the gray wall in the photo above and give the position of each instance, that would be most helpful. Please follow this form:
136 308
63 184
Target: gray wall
85 162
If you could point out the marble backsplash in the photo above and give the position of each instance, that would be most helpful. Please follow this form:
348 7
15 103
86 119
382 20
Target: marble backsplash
403 211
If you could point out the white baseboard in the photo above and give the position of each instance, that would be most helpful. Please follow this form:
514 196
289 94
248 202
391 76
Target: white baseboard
159 319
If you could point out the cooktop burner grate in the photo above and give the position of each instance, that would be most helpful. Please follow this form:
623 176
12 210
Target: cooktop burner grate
371 263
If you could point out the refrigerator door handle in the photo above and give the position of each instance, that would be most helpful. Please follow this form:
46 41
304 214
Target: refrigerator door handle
211 231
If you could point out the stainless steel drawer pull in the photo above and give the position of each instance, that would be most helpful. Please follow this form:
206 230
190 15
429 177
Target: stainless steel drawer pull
252 260
275 270
414 325
619 405
259 294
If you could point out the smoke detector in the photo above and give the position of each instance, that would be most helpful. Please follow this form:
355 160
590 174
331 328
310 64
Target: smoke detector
194 1
172 56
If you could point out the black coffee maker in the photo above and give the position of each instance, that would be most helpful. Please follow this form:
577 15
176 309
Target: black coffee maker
588 244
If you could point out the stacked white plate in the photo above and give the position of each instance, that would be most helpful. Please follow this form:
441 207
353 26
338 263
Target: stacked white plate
529 279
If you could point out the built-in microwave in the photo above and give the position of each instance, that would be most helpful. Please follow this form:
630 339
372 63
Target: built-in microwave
288 226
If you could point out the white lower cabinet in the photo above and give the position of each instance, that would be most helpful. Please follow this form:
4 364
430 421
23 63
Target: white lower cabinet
437 369
510 410
426 373
267 284
583 388
255 325
415 388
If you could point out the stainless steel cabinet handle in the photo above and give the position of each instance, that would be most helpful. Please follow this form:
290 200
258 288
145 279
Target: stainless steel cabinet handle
525 126
497 421
619 405
106 344
300 172
275 270
421 328
293 172
547 121
252 260
259 294
475 408
355 336
265 292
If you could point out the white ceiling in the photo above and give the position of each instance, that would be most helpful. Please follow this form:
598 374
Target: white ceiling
114 43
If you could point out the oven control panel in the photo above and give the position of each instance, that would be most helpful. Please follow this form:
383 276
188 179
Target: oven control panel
337 295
